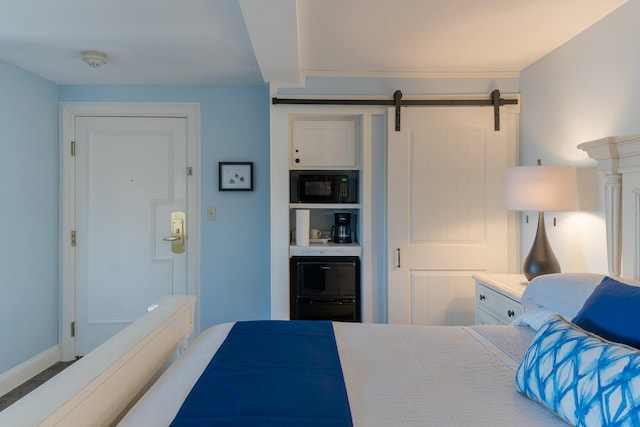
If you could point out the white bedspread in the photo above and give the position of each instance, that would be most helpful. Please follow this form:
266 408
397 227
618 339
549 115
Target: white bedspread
395 376
432 376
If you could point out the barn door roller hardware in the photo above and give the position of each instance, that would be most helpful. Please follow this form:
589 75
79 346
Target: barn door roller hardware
494 101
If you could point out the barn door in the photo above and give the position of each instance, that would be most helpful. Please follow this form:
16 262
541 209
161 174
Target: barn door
445 217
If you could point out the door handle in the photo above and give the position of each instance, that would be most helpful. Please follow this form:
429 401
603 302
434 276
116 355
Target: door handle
177 237
397 257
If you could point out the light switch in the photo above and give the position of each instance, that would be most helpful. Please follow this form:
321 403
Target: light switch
211 214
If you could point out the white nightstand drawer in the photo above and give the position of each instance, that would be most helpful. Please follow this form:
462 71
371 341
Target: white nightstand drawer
486 318
496 304
498 297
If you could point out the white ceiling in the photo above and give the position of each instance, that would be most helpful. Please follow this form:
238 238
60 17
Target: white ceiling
251 41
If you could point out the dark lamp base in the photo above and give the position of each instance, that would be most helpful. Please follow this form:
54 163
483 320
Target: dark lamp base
541 259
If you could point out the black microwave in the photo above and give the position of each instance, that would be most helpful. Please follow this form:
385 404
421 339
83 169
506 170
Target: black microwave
327 186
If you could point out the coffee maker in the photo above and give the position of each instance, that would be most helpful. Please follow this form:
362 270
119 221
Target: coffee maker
341 230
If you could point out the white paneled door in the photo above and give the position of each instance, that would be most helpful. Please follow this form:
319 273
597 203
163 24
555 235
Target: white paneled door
445 218
131 175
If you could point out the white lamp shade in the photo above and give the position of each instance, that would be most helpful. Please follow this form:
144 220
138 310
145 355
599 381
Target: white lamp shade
541 188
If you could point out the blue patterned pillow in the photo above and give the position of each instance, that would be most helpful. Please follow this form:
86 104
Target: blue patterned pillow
583 378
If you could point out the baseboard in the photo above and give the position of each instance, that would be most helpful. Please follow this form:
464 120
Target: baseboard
24 371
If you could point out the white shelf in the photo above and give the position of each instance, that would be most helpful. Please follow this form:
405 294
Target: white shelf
326 249
324 206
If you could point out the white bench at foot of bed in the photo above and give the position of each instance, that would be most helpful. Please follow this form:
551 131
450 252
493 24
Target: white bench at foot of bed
100 387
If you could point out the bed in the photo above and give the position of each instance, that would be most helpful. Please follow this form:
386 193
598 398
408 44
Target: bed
394 375
571 357
411 375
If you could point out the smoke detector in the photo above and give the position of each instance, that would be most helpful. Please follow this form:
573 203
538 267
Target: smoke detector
94 58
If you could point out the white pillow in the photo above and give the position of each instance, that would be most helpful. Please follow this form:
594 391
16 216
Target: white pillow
561 293
533 318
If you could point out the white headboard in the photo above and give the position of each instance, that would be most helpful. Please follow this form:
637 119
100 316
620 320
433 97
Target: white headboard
618 160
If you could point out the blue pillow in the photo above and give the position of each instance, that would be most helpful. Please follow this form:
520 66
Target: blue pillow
612 312
585 380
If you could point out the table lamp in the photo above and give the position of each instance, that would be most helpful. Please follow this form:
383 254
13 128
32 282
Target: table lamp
541 188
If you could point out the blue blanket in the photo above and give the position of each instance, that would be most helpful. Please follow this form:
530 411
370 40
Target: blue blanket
271 373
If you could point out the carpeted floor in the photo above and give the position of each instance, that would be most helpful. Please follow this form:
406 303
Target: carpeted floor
31 384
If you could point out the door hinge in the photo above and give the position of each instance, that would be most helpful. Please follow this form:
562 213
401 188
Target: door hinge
189 171
73 148
73 329
73 238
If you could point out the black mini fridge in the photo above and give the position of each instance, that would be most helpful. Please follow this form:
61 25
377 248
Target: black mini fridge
325 288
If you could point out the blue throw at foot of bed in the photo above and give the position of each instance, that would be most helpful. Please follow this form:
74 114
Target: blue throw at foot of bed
280 373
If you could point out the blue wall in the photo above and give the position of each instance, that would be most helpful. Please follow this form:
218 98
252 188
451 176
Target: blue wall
235 259
235 262
29 215
587 89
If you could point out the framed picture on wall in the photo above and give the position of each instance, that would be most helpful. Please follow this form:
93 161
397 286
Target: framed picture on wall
235 176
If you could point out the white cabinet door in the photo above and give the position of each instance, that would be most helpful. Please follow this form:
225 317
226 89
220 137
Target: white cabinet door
323 144
445 215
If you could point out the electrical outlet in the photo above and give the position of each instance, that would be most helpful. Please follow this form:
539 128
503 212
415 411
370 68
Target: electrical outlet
211 214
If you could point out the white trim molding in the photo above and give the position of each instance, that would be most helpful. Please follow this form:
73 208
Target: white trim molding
26 370
68 113
618 160
506 74
612 198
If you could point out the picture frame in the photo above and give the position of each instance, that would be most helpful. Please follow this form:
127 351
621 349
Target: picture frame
235 176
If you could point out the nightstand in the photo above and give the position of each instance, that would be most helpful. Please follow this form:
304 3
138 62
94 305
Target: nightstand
498 298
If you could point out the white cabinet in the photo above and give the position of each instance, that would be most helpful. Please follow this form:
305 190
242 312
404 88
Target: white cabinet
324 144
368 123
498 298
